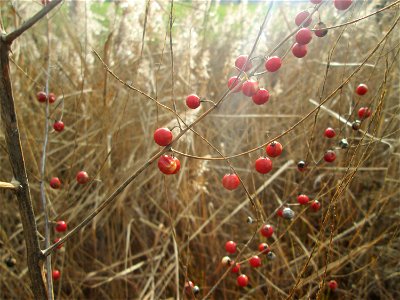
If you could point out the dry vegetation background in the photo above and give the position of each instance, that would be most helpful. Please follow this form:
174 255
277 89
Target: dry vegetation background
130 250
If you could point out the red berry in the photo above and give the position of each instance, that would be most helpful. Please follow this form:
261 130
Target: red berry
168 164
236 268
329 133
342 4
301 16
59 246
320 30
242 280
241 61
264 248
267 230
364 112
303 36
315 205
189 287
230 247
280 212
273 64
315 1
261 97
82 177
274 149
58 126
299 50
230 181
52 98
263 165
303 199
330 156
41 96
61 226
192 101
56 274
362 89
332 285
250 87
255 261
55 183
163 136
235 84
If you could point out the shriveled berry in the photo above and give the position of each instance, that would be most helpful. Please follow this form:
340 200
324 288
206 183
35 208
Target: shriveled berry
332 285
82 177
61 226
235 84
364 112
274 149
299 50
163 136
169 164
255 261
56 274
302 199
356 125
263 248
10 261
330 156
304 36
273 64
362 89
250 87
267 230
301 166
226 261
288 213
301 16
330 133
241 61
230 181
315 205
58 126
271 255
55 183
263 165
230 247
242 280
196 290
261 97
250 220
320 29
344 144
193 101
342 4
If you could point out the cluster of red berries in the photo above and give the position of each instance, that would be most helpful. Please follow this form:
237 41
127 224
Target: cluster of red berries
51 97
82 177
166 163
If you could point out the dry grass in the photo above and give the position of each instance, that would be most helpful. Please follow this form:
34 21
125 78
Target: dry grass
162 230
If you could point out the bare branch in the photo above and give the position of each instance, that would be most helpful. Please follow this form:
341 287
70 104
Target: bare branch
9 38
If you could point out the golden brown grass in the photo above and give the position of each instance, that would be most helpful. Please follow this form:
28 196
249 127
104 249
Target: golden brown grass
165 229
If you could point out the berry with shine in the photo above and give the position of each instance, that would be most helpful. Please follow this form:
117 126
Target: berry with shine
299 50
288 213
362 89
304 36
301 166
189 287
56 274
329 133
303 199
315 205
169 164
273 64
267 230
301 16
274 149
52 98
61 226
41 96
330 156
82 177
342 4
250 87
264 248
193 101
255 261
263 165
230 181
364 112
242 280
261 97
226 261
235 268
241 61
332 285
55 183
58 126
344 144
356 125
196 290
230 247
162 136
